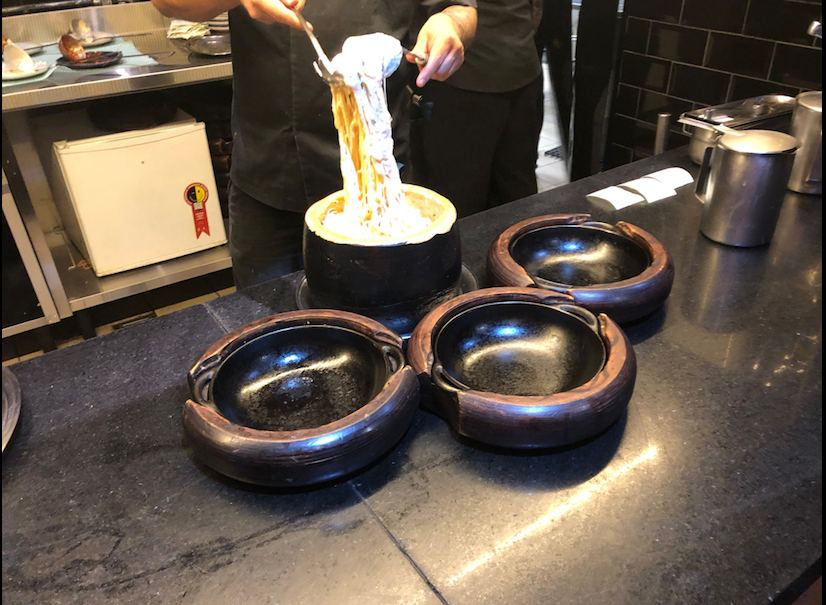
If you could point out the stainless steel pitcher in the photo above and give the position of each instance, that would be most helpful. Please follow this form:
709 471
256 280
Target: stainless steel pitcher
807 128
742 183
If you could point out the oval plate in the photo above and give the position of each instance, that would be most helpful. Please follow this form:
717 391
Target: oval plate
93 60
32 48
98 39
39 68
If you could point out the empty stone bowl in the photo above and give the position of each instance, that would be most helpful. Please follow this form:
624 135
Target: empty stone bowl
522 367
620 270
300 398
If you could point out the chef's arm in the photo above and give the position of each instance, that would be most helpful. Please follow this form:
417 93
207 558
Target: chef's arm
267 11
443 39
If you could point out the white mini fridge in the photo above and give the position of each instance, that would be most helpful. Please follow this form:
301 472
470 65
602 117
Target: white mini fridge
136 198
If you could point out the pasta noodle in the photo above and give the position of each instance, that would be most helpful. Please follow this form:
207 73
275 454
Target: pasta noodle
374 205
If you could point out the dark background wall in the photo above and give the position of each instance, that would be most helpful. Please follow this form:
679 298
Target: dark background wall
678 55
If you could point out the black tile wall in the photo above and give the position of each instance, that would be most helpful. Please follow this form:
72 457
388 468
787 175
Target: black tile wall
645 72
632 134
678 55
782 21
798 66
678 43
626 101
725 15
636 34
739 55
653 103
660 10
743 88
704 86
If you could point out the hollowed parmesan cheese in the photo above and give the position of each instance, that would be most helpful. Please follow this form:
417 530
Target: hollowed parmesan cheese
374 206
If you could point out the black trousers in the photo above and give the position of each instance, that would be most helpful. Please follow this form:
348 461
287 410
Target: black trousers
264 242
477 149
554 38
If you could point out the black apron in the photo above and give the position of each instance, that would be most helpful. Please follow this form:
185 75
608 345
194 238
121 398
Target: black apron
285 146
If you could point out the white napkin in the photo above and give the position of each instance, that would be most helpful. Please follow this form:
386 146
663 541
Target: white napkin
673 177
184 30
649 188
652 187
617 197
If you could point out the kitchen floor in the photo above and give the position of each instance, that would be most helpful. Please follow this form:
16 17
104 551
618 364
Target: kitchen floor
551 171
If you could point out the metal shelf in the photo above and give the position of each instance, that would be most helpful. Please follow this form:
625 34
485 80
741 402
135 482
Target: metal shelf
84 289
142 25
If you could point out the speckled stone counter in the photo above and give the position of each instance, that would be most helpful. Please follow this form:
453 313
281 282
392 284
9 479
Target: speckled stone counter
707 491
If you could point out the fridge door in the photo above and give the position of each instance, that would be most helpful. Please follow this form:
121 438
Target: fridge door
137 198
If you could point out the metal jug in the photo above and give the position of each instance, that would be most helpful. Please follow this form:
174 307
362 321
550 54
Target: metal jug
742 183
807 128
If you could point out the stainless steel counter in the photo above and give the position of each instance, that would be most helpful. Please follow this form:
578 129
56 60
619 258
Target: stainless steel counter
138 23
75 287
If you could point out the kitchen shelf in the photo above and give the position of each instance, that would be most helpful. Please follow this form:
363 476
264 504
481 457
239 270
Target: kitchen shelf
85 290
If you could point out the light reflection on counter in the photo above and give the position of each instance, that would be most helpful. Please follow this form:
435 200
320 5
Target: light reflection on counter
557 512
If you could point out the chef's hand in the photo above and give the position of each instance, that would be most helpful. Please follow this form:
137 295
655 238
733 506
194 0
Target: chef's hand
274 11
442 40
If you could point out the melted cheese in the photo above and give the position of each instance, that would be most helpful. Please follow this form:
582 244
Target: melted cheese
374 206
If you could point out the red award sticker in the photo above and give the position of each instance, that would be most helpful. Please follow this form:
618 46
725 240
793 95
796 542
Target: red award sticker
196 196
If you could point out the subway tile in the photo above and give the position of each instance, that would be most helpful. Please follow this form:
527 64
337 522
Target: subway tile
660 10
633 134
781 20
676 139
636 35
744 88
698 84
645 72
798 66
725 15
679 43
626 100
653 103
739 54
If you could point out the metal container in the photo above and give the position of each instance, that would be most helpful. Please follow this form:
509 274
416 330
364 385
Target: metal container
701 139
807 128
707 124
742 183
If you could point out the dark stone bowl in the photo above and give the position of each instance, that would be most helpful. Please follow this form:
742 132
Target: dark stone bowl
519 348
522 367
300 398
619 269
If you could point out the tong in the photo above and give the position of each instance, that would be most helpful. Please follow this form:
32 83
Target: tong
721 128
323 66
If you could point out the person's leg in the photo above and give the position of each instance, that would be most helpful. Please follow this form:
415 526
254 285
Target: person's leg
455 144
264 242
514 164
554 37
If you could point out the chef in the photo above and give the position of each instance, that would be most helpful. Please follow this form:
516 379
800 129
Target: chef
285 148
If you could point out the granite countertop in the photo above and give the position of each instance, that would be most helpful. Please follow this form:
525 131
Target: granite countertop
707 491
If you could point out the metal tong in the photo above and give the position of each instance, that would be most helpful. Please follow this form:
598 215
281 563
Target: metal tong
721 128
324 67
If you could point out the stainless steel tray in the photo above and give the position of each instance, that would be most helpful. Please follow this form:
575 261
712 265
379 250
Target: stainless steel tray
738 114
